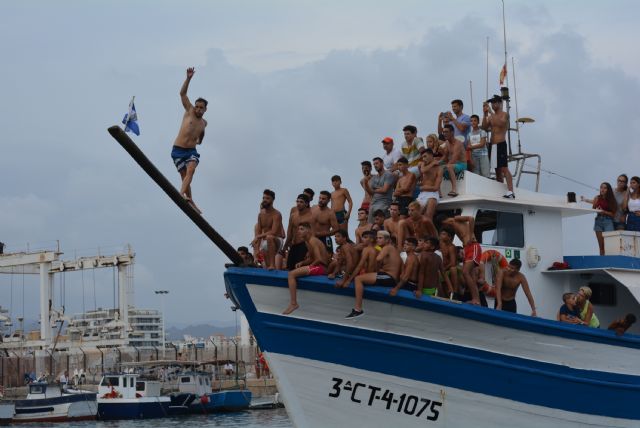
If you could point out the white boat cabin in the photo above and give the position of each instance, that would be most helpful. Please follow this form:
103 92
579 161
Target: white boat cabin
40 390
530 228
194 383
127 385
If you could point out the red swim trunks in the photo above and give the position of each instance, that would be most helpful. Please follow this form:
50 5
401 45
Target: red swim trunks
315 270
365 206
472 252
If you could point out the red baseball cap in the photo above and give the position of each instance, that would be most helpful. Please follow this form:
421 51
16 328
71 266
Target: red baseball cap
387 140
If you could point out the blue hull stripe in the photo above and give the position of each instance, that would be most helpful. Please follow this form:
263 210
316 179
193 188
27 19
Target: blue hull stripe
519 379
238 277
112 411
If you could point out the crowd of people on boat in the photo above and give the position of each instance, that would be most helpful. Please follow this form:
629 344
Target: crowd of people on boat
399 242
617 208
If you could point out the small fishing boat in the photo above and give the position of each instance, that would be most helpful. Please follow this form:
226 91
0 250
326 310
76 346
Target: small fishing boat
51 403
198 383
127 396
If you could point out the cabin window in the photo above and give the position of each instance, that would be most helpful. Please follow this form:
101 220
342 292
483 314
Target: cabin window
36 389
139 386
111 381
498 228
200 380
603 294
185 379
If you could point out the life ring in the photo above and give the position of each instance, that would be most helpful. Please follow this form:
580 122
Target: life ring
496 259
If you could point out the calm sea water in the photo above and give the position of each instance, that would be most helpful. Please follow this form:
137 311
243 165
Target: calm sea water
248 419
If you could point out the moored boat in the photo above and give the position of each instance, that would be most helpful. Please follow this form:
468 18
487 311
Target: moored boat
53 403
207 401
127 396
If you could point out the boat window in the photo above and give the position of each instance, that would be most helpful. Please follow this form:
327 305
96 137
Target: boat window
185 379
200 380
36 389
502 229
139 386
110 381
603 294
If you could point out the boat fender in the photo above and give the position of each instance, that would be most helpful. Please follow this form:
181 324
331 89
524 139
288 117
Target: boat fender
204 399
533 257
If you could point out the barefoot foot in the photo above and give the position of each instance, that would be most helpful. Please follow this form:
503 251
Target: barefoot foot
290 309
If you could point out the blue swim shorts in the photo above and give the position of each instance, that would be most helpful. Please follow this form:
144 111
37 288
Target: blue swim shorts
181 157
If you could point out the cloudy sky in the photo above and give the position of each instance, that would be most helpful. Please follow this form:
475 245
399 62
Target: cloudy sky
299 91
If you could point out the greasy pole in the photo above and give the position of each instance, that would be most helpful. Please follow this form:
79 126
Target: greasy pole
131 148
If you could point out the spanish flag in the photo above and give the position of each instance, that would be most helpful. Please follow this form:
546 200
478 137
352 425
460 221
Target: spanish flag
503 74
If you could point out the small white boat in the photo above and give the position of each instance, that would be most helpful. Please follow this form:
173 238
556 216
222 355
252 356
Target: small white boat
53 403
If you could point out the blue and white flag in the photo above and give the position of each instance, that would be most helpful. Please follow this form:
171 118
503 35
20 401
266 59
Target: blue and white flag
130 119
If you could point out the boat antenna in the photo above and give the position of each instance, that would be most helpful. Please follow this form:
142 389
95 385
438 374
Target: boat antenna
486 95
515 97
504 91
119 135
471 93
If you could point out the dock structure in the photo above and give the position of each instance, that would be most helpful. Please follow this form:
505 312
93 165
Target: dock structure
47 263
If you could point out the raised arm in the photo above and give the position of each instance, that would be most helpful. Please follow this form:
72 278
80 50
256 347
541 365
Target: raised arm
183 91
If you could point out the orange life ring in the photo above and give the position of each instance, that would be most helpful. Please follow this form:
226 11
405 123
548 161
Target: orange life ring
492 256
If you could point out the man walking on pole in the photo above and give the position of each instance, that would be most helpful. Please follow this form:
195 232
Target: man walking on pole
191 133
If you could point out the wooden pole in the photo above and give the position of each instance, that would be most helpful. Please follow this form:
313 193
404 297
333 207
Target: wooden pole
119 135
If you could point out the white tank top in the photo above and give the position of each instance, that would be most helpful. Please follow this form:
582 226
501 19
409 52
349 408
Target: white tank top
633 205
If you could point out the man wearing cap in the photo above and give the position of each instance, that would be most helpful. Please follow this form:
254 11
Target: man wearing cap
380 187
391 155
498 122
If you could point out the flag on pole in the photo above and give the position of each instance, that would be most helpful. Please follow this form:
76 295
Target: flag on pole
503 74
130 119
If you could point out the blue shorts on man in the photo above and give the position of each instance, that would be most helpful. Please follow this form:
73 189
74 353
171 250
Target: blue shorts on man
182 156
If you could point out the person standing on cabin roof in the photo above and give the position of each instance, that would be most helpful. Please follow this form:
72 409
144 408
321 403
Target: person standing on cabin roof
620 192
477 143
606 206
507 283
191 133
339 198
497 121
455 160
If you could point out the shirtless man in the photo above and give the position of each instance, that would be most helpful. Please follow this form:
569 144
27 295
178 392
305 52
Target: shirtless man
464 227
270 231
431 268
455 161
366 262
405 186
366 173
324 221
507 284
378 221
339 196
363 224
294 245
348 250
409 275
392 224
431 174
390 265
191 133
498 122
449 259
415 225
315 263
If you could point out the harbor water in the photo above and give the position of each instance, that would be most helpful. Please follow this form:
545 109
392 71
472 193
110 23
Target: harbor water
249 419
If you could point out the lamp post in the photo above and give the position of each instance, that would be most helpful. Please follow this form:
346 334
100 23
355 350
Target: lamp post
162 294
